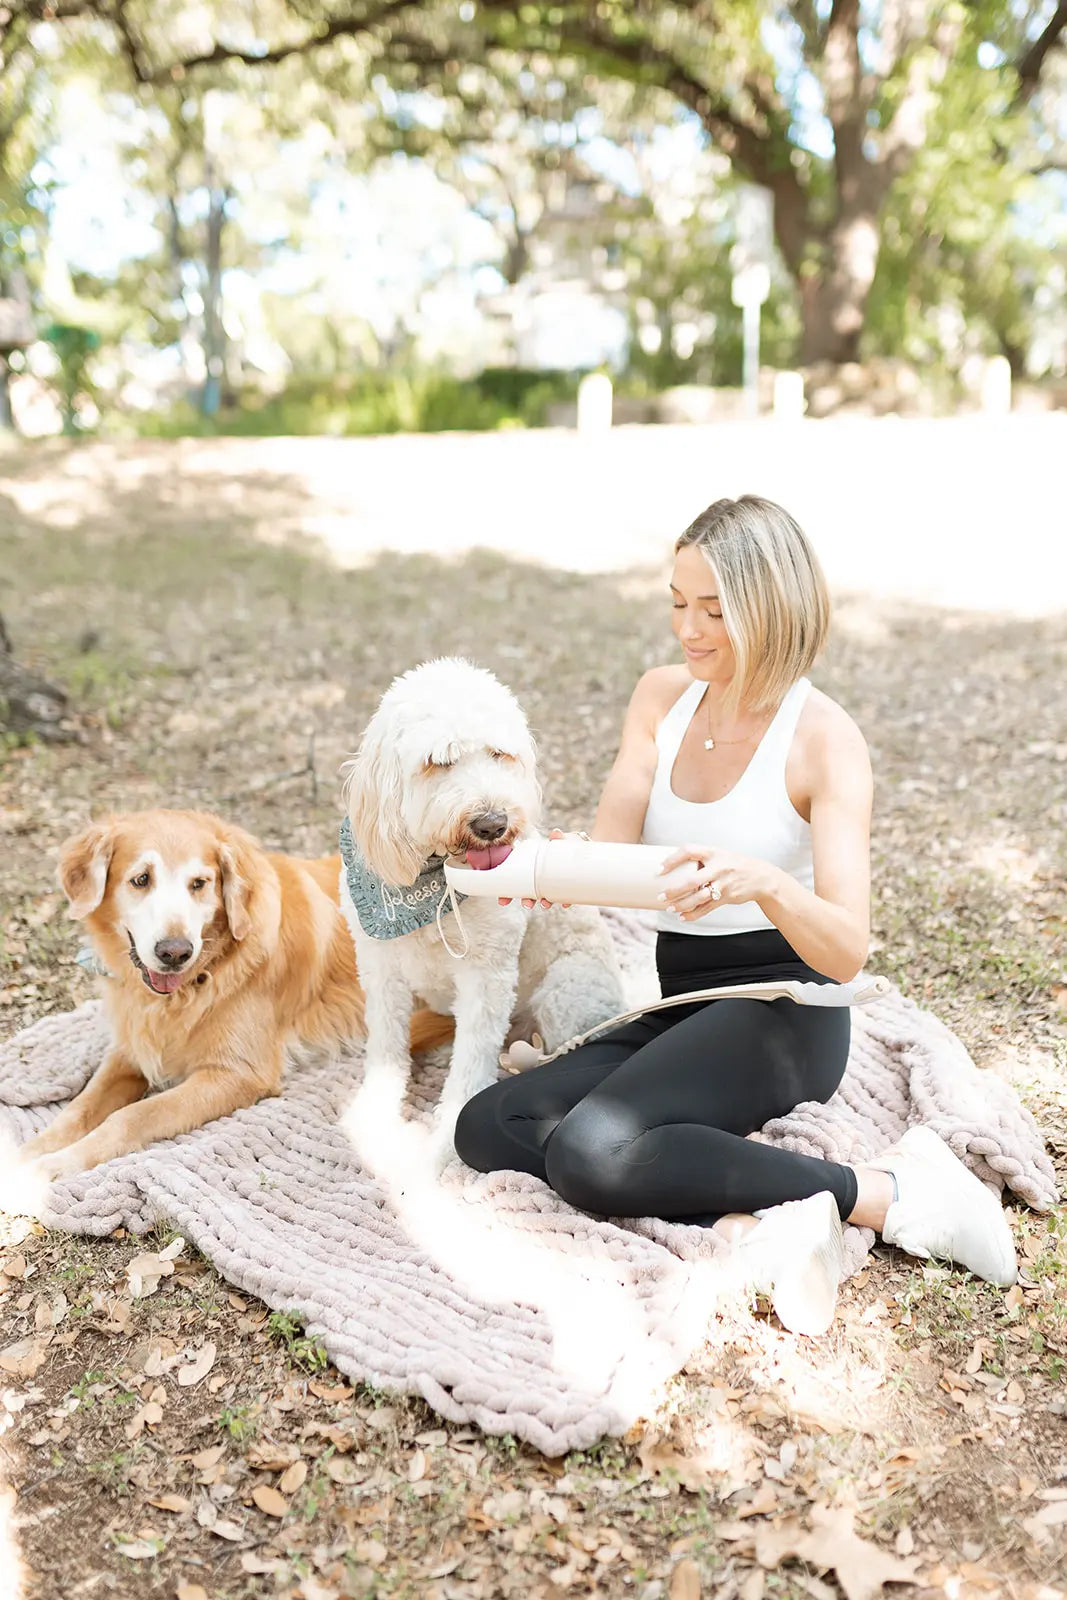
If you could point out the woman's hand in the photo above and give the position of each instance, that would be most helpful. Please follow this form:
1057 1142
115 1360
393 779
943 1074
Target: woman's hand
557 833
722 879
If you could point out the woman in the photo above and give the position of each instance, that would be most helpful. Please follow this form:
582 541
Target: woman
735 750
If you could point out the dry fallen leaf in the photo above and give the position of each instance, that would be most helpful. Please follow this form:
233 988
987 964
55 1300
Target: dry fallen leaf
227 1530
199 1367
330 1392
25 1358
190 1591
293 1477
149 1415
832 1543
692 1472
257 1565
270 1457
762 1504
172 1502
145 1271
685 1581
207 1458
137 1549
269 1500
1051 1515
372 1551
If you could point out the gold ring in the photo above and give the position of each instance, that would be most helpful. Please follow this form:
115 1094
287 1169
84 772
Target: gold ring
715 891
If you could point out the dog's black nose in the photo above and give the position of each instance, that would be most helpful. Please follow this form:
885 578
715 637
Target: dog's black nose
173 953
490 825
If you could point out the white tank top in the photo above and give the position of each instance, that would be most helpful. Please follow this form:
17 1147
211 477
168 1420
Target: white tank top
756 818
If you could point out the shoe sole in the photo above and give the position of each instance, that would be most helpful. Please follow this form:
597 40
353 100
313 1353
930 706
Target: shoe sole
929 1147
805 1300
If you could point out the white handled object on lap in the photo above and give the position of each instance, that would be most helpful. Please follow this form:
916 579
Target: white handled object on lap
575 872
862 991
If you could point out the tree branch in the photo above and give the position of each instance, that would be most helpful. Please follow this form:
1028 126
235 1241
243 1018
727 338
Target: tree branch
1030 64
339 28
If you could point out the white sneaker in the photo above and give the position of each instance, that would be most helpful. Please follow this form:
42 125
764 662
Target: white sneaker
796 1254
944 1211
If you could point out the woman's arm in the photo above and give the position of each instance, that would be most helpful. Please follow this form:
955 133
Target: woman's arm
620 815
830 928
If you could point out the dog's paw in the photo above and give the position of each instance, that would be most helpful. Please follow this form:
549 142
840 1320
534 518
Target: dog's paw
58 1164
25 1181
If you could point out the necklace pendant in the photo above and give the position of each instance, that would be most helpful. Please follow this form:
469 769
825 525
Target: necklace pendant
709 744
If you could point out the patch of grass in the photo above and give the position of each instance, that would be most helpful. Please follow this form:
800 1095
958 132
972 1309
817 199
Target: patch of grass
88 1380
375 1397
240 1422
113 1471
288 1328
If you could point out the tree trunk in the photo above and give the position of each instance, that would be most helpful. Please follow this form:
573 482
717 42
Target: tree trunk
30 705
214 333
7 416
834 299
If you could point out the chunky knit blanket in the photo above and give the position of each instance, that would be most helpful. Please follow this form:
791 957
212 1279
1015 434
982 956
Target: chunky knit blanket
488 1296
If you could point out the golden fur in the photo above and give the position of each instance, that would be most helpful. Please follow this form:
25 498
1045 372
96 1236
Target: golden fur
275 964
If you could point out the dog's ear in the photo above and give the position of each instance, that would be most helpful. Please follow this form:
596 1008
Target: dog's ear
373 793
83 866
236 852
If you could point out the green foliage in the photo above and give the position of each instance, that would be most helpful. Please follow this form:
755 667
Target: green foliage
379 402
74 347
240 1422
288 1328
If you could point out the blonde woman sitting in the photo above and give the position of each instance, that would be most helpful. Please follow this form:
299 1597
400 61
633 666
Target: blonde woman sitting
765 783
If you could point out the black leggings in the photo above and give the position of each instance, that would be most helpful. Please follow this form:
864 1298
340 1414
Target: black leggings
650 1120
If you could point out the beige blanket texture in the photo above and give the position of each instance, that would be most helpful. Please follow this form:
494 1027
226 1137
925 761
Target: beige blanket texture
488 1296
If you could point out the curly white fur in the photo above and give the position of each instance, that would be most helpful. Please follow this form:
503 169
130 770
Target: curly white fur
447 746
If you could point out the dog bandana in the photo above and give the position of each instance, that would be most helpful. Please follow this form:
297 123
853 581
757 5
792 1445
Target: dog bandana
386 910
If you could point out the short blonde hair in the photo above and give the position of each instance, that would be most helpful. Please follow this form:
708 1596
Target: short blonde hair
775 603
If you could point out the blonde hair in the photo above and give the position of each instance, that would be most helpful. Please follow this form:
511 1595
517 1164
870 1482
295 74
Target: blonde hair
775 603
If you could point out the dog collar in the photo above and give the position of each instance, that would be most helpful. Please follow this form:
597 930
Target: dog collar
387 910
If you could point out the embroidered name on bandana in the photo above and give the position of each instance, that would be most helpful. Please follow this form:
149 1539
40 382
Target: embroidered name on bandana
386 910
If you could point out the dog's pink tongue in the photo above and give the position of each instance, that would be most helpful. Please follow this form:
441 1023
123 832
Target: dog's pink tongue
166 982
491 856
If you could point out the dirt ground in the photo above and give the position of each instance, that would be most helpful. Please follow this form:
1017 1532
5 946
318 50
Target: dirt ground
219 660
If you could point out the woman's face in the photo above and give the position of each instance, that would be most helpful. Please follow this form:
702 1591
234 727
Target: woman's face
696 617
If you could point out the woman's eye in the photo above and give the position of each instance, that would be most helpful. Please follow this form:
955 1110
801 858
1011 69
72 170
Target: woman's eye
198 883
676 607
141 881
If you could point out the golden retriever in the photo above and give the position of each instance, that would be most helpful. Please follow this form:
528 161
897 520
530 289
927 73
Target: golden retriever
217 956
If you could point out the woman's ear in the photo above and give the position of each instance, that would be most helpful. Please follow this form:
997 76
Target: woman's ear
236 852
373 793
83 866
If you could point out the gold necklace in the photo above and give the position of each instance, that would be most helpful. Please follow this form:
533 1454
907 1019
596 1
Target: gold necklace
711 743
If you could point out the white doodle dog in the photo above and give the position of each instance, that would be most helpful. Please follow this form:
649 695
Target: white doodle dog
447 766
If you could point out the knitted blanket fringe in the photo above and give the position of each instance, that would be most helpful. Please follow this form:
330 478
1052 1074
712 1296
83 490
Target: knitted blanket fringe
488 1296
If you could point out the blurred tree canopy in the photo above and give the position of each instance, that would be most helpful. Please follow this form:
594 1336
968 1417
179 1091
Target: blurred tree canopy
908 145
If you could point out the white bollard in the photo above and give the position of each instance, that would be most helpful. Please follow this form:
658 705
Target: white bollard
594 403
788 396
996 387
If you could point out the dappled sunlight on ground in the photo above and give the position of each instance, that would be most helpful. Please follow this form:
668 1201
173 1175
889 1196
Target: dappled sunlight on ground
951 511
602 1339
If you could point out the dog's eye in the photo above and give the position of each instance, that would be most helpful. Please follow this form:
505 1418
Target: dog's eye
197 883
142 880
430 765
502 755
